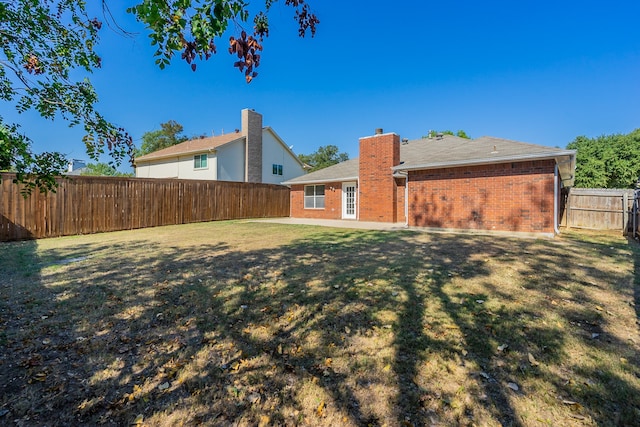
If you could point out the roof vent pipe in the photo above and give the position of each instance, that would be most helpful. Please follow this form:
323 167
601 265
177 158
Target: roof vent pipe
378 131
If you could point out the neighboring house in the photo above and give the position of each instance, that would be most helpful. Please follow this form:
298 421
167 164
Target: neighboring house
252 154
443 182
76 167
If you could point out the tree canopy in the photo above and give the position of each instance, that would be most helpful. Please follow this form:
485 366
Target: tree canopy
102 169
608 161
325 156
191 27
43 43
170 133
460 133
48 52
34 170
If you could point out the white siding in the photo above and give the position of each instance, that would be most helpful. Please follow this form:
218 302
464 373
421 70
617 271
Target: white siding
180 167
275 152
231 161
165 168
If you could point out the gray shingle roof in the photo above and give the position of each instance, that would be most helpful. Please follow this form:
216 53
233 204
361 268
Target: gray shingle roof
343 171
450 150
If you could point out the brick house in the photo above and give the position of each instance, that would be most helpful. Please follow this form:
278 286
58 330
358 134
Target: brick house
443 182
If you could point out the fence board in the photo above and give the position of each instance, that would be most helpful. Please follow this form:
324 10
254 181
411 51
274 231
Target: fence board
84 205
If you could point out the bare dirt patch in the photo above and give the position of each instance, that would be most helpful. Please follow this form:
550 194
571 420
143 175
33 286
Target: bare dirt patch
235 323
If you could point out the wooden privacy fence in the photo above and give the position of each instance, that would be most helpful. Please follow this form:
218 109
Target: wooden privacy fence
84 205
602 209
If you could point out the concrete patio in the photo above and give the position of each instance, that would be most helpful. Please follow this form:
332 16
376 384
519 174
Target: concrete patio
387 226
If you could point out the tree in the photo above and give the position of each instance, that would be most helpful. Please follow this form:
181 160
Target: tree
47 44
42 43
170 133
608 161
34 170
191 27
325 156
460 134
102 169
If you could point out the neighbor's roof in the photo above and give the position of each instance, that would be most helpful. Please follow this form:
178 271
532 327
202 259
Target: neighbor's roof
192 146
452 151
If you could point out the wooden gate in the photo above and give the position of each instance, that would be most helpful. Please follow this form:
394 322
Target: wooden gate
602 209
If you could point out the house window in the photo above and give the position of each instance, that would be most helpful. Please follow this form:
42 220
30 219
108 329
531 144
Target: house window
314 196
200 161
277 169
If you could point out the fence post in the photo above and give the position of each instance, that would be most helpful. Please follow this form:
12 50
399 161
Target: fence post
636 201
568 209
625 213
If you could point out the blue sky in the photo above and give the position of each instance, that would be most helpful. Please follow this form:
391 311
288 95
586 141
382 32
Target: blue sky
540 71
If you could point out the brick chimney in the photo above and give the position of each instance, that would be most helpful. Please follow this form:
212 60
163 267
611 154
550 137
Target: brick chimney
377 187
252 131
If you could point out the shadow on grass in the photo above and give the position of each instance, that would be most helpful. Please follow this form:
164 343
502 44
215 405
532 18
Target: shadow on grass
336 327
636 288
19 264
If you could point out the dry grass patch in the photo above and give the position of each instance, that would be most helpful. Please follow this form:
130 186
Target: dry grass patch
264 324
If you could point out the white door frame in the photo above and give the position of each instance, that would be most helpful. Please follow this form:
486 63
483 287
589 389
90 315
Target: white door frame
349 191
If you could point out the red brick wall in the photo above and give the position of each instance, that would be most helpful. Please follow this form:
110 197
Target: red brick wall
377 192
509 197
332 202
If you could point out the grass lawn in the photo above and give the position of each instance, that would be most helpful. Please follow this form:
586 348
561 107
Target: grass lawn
240 323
